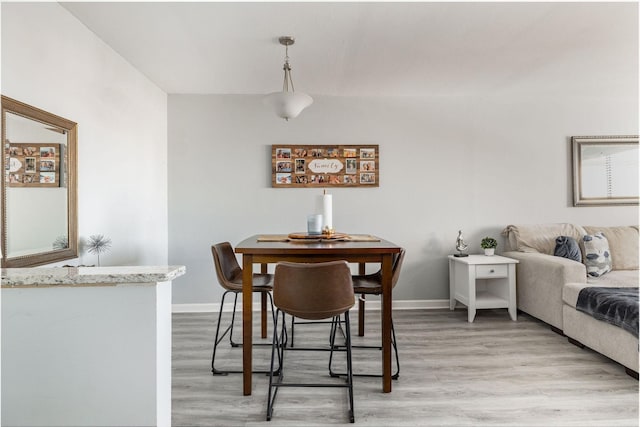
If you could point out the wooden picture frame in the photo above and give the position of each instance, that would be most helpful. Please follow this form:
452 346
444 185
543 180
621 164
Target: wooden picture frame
605 170
33 165
320 166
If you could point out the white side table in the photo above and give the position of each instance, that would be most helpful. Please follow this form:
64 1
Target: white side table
480 281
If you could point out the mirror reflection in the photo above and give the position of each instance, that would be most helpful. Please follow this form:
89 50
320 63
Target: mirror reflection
39 224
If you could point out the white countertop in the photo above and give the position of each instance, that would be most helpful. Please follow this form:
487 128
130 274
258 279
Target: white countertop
88 276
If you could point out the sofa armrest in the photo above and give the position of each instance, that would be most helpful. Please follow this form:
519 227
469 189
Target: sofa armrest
539 282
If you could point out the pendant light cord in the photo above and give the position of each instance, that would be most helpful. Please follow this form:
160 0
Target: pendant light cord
287 72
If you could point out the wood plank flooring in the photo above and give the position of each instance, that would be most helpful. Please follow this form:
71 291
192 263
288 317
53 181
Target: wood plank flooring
493 372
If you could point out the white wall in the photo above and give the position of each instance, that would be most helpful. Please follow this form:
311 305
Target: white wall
87 355
446 163
52 61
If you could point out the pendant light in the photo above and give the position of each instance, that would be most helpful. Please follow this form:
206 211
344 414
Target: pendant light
288 103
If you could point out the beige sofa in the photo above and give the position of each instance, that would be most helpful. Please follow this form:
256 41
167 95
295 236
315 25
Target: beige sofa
548 286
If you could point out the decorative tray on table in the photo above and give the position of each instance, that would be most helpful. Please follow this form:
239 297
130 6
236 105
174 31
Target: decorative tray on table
311 238
317 237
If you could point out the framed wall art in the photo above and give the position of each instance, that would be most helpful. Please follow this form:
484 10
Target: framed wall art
32 165
605 170
324 166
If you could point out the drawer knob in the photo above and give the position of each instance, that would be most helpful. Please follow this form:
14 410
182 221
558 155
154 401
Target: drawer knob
492 271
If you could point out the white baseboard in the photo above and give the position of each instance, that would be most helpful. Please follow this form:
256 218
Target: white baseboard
428 304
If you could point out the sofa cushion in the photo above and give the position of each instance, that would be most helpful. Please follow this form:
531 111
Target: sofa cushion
567 247
597 256
623 244
540 238
614 279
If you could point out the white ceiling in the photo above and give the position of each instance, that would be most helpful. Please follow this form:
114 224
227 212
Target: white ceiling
375 49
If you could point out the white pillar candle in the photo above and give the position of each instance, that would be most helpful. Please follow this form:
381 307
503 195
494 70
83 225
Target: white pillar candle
327 211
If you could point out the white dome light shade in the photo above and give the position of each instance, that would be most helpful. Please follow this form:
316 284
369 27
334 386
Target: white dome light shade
288 105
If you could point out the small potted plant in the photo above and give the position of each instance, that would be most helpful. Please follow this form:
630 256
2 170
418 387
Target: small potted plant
489 245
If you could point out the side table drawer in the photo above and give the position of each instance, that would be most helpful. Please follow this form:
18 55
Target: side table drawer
489 271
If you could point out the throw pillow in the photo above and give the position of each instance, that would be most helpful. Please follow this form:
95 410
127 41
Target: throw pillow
597 257
567 247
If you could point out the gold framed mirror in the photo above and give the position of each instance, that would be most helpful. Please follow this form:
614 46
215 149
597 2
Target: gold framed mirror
605 170
39 189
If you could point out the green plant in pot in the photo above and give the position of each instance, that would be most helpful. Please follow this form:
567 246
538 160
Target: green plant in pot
489 245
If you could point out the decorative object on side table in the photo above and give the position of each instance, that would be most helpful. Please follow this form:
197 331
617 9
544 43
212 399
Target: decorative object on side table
489 244
98 244
461 246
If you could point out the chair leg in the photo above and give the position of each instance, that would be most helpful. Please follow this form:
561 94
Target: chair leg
278 344
293 325
263 315
216 341
233 320
395 349
394 346
349 366
347 338
229 330
233 316
361 301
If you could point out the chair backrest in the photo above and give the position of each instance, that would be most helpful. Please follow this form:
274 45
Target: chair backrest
227 268
397 266
313 291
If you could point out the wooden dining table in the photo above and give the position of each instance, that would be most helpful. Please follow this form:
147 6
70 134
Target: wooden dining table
271 249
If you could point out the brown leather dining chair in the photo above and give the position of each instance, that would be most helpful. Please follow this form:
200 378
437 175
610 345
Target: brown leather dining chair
371 284
314 291
229 274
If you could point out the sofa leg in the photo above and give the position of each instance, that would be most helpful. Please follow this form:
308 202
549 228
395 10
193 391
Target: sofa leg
556 330
576 343
631 372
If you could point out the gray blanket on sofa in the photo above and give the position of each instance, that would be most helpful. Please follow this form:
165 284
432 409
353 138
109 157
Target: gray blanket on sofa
618 306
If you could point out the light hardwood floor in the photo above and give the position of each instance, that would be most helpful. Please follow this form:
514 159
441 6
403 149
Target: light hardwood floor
493 372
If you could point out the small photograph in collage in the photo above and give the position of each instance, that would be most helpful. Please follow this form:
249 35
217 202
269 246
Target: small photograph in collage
349 152
367 178
300 152
349 179
351 166
283 166
368 165
283 178
367 153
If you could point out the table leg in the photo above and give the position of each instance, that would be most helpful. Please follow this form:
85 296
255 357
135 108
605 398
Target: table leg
361 271
452 285
247 319
513 309
387 266
263 306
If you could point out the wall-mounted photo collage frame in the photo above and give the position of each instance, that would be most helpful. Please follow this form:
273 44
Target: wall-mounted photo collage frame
32 165
325 166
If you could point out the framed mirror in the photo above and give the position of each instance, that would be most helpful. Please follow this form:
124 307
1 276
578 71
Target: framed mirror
605 170
39 189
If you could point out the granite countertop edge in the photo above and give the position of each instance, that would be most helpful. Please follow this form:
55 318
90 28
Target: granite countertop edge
89 276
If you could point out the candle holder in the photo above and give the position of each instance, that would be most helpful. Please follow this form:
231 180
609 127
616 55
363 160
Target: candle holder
328 231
